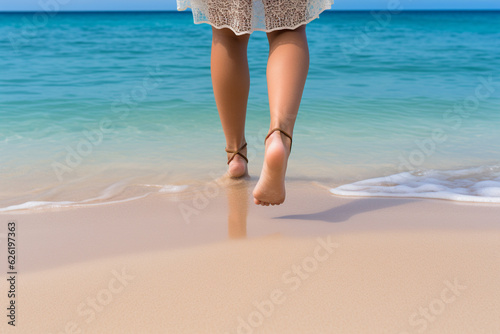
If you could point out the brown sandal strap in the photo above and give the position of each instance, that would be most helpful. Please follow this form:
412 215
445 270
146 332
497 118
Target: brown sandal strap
237 152
283 132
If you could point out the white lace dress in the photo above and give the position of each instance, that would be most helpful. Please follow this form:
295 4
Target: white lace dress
246 16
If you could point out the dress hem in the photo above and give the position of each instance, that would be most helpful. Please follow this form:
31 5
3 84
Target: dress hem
257 29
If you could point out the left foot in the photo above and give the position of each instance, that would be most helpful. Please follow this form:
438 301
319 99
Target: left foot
238 166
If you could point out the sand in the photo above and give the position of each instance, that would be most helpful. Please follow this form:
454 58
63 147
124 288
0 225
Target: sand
212 262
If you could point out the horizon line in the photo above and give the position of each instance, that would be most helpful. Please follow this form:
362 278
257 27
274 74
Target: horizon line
188 11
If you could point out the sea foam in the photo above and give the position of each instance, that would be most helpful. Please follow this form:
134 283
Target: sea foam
478 184
106 197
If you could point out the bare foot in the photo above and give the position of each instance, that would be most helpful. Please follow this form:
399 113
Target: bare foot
270 190
238 166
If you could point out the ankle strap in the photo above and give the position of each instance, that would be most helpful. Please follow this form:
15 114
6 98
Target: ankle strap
237 152
283 132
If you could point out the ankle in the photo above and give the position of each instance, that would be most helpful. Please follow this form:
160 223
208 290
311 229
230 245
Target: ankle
234 145
283 139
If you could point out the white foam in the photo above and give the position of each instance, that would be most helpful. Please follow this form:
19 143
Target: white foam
478 184
173 189
169 188
35 205
106 194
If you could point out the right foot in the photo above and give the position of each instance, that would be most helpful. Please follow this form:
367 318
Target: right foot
270 190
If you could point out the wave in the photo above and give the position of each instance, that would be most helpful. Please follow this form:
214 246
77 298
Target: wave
476 184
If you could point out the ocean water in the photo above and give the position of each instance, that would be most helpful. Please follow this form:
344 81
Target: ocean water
100 107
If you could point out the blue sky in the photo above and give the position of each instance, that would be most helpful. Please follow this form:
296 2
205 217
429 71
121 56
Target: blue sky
36 5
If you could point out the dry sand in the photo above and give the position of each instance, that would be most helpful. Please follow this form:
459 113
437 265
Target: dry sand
317 264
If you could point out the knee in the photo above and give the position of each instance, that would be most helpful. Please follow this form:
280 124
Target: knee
295 36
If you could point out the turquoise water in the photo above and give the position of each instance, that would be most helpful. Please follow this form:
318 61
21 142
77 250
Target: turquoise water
109 106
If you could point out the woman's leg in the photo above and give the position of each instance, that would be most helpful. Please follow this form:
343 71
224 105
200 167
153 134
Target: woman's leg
231 84
287 68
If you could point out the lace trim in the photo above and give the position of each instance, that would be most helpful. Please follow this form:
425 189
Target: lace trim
246 16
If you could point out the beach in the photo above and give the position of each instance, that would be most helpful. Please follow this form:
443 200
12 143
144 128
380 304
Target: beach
317 264
116 217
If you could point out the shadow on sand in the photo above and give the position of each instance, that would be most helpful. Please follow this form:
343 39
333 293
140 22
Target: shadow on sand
345 211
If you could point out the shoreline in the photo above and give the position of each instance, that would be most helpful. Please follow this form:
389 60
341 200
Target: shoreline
466 185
